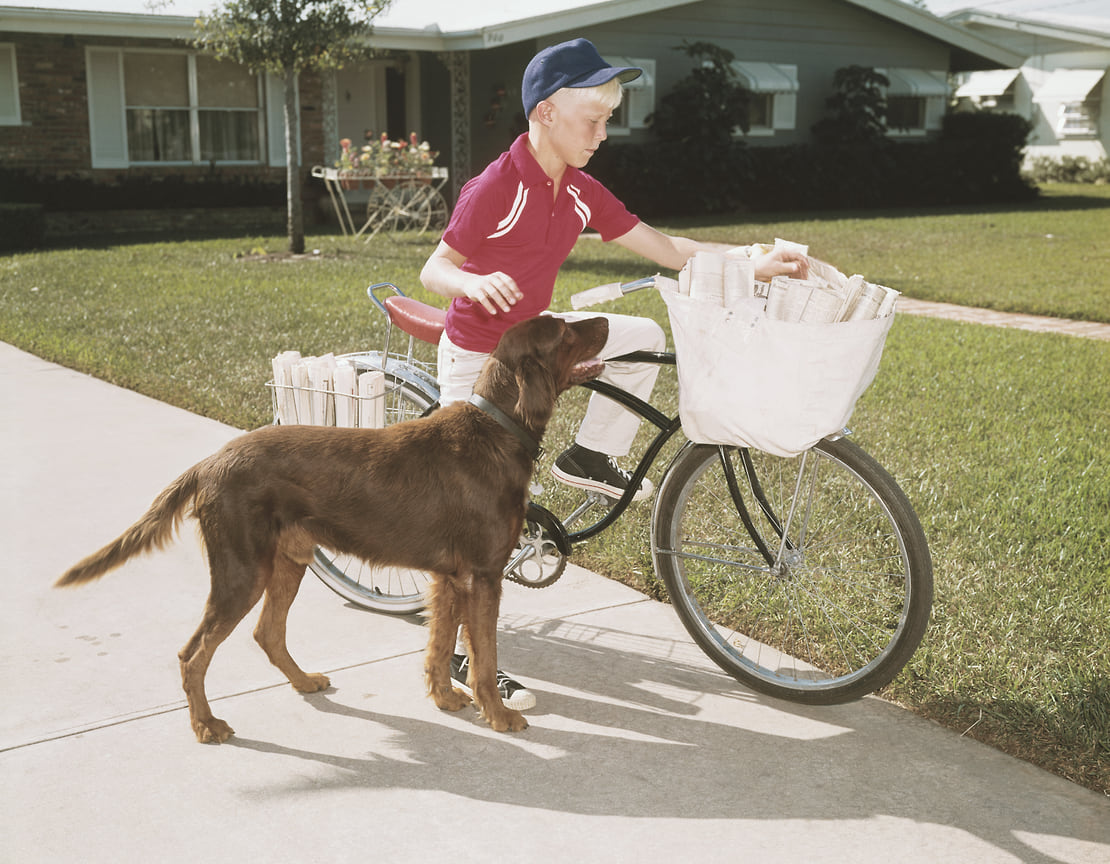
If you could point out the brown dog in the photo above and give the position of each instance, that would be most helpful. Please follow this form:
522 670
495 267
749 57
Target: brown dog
446 494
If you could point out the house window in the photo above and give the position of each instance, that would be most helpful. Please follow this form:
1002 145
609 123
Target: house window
915 100
905 113
773 89
9 87
1078 119
638 100
190 108
167 107
1075 95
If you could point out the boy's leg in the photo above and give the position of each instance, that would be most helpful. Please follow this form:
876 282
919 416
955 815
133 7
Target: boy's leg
608 429
457 371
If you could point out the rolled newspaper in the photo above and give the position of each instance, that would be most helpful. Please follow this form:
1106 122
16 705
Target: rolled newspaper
346 389
371 400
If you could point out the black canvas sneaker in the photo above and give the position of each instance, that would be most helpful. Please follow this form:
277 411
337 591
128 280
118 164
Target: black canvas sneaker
513 694
588 469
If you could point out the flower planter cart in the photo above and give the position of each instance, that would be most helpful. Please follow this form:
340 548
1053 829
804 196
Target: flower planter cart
397 202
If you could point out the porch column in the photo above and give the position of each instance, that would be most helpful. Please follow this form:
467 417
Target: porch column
330 112
458 65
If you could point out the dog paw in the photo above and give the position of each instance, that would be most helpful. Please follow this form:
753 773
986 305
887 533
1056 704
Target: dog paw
506 720
312 683
450 699
212 731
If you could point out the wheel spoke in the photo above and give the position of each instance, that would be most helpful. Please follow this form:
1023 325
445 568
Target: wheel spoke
382 589
841 605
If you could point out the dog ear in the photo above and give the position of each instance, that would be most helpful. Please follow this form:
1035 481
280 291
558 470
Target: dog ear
536 391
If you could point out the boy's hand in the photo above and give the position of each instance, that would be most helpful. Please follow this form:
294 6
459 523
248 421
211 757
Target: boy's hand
781 262
495 291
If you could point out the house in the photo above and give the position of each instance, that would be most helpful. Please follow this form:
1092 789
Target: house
102 95
1059 86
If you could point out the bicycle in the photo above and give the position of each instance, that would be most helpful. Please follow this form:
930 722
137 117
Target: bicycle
809 578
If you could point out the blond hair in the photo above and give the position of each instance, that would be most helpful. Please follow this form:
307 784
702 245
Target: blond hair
609 93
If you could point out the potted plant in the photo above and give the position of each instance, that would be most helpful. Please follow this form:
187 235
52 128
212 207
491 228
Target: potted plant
383 161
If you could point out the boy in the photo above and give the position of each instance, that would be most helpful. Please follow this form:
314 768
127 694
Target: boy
511 230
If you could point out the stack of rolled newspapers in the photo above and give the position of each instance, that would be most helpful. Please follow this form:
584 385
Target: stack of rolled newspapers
325 391
825 296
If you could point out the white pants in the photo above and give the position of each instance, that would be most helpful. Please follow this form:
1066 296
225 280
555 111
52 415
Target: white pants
608 427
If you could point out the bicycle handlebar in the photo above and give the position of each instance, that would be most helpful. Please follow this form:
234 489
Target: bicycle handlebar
611 291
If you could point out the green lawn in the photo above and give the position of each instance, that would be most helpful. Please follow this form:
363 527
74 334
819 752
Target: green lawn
1001 438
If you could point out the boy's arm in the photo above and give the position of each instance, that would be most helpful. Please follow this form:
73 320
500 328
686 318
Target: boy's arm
443 275
673 252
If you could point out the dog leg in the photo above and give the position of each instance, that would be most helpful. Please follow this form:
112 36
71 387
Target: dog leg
443 600
234 592
281 591
195 657
481 626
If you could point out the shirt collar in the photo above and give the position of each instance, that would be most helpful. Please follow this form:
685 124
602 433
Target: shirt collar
531 174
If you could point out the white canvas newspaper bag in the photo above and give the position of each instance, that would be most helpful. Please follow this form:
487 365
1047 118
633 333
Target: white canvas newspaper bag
754 381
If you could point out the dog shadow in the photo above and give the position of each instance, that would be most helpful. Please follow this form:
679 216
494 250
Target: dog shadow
620 732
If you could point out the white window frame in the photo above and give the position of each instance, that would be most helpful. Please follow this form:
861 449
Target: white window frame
9 81
108 108
638 101
779 82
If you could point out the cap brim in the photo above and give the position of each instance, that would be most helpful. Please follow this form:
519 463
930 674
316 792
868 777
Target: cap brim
623 73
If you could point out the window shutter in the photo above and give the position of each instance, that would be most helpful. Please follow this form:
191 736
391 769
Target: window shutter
934 112
9 87
107 118
785 112
275 120
641 100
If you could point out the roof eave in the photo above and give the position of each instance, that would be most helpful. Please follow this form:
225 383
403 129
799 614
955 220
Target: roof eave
29 20
1035 28
520 30
938 28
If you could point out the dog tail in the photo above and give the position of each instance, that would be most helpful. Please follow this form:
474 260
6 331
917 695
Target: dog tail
153 531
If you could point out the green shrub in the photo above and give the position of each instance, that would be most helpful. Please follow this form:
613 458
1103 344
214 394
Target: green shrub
139 191
22 226
1068 169
850 161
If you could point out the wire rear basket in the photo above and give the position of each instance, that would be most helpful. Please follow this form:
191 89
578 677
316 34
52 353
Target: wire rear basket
351 391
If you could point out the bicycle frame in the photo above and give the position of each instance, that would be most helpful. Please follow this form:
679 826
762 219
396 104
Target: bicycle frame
828 600
668 426
405 367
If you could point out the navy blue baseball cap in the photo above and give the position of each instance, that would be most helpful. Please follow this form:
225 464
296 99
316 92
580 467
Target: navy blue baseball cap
569 64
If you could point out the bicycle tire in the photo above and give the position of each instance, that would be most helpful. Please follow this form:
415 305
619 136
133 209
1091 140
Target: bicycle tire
394 590
851 605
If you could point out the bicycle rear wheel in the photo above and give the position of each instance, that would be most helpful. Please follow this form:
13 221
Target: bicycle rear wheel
381 589
844 600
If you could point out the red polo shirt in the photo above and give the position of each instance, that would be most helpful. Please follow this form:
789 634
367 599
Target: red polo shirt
507 219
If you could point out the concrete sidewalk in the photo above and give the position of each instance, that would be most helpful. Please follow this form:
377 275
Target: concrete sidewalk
639 749
1013 320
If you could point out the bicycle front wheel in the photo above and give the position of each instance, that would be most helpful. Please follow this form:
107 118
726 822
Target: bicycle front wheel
808 579
381 589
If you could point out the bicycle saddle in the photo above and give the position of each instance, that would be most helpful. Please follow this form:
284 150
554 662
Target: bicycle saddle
416 318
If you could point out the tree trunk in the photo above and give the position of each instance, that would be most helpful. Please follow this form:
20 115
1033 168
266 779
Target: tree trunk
294 205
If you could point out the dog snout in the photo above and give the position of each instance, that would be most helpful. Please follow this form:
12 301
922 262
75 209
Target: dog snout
593 332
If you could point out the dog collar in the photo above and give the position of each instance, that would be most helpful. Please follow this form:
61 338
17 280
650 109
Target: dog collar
507 422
